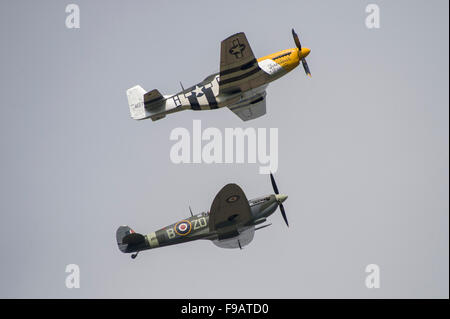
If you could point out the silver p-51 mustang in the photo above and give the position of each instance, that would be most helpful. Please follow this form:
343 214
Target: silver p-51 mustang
240 85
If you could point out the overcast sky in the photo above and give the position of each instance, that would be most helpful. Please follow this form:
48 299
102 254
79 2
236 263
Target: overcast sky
363 150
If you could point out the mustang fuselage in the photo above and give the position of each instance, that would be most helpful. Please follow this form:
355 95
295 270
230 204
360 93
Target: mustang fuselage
207 95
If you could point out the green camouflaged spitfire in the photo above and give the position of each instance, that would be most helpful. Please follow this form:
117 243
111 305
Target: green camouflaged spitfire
229 224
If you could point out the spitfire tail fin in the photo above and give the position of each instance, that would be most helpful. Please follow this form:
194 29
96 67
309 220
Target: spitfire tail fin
127 238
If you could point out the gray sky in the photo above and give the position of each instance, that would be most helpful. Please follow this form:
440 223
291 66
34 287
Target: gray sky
363 150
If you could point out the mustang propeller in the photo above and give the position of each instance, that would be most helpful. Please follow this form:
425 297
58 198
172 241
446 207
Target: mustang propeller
280 198
302 52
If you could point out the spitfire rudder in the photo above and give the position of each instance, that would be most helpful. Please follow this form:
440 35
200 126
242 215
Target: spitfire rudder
127 239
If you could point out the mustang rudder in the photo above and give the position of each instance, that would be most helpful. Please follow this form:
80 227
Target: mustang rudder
135 97
144 105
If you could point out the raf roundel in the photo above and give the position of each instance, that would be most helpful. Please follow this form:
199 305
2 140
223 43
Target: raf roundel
183 227
232 198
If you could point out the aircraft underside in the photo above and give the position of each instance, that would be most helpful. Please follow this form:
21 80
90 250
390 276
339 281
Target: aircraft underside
243 239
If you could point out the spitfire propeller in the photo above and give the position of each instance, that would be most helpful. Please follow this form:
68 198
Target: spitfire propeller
280 198
302 53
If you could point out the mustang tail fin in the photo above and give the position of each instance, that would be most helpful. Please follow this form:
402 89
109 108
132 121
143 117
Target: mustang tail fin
144 105
127 239
136 102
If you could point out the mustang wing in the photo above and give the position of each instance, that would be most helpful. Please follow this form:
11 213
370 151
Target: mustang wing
237 64
229 209
251 108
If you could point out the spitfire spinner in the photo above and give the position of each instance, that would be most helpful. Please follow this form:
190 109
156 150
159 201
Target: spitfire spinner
240 85
230 223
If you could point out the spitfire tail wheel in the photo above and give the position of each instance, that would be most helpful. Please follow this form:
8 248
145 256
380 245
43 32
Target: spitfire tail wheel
280 198
302 53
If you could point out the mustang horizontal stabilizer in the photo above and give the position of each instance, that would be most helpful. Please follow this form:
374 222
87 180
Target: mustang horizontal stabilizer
151 97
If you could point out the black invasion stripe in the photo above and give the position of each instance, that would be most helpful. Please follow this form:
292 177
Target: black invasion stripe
280 56
245 66
194 102
257 100
211 98
240 77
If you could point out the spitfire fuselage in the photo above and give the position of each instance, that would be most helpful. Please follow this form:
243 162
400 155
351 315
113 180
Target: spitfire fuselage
197 227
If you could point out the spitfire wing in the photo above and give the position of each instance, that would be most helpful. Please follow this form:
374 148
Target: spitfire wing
250 109
245 237
229 209
237 64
